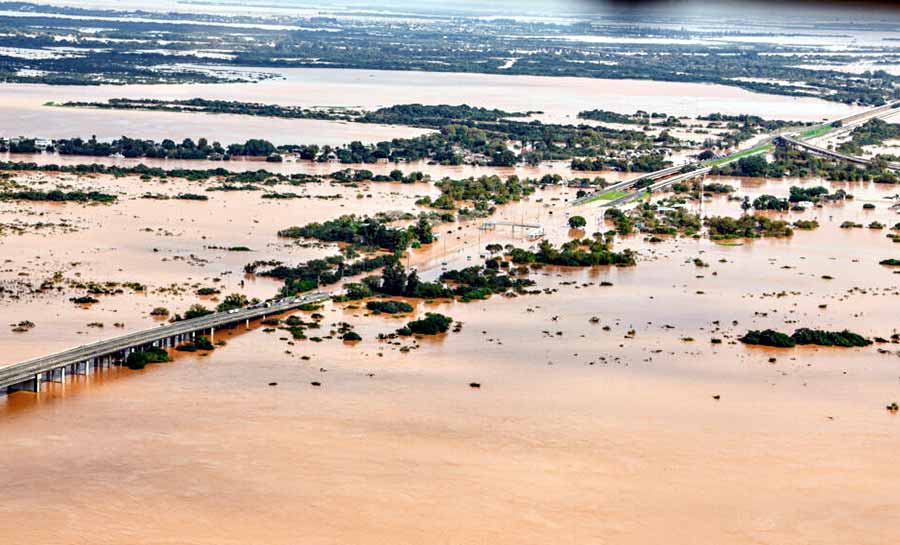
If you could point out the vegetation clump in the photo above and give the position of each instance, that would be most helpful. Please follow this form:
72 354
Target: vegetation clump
770 202
575 253
806 225
432 324
811 194
208 291
804 336
195 311
829 338
577 222
389 307
233 301
139 360
58 195
873 132
724 227
768 337
364 232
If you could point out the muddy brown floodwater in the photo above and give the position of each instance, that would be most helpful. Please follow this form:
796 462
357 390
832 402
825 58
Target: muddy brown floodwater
22 110
578 433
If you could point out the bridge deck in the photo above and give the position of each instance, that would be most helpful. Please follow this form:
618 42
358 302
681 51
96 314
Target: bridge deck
818 150
628 184
20 372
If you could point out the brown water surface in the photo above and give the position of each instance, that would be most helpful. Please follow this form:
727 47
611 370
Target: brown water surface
22 110
577 433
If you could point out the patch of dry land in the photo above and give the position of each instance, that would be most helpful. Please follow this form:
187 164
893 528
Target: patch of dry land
615 405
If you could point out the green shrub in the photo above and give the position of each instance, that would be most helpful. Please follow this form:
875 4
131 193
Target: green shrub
207 291
389 307
138 360
768 337
432 324
202 343
829 338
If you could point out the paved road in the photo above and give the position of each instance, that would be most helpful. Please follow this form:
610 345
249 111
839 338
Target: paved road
628 184
818 150
21 372
669 176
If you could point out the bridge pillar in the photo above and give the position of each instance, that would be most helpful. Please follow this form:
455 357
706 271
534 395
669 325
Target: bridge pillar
57 375
248 323
31 385
212 334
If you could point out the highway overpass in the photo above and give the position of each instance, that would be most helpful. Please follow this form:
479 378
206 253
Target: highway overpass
627 184
824 152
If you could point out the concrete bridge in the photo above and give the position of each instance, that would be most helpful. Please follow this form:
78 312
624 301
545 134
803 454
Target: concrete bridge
627 184
673 174
700 172
831 154
29 375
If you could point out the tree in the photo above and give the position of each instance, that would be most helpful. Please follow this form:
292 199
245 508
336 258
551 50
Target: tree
504 158
423 231
233 301
755 166
393 279
196 311
577 222
432 324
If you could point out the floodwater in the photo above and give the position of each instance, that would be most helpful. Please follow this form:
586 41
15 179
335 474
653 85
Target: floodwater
22 110
287 167
577 433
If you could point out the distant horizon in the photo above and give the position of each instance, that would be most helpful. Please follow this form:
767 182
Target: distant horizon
518 8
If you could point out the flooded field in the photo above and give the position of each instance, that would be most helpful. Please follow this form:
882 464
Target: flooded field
310 167
596 432
583 405
23 111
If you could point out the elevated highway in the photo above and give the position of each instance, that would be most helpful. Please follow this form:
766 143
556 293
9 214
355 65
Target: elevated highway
627 184
29 375
673 175
832 154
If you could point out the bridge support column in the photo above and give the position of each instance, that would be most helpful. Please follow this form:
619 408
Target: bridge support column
57 375
31 385
248 323
212 334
